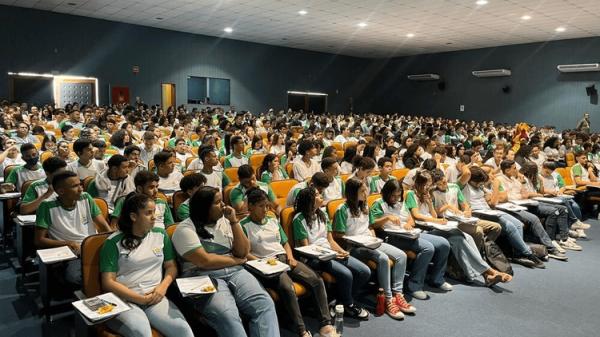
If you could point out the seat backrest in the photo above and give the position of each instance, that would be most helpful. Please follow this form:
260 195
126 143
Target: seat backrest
226 193
338 146
372 198
45 155
345 177
289 168
171 229
103 205
9 169
178 198
400 173
332 206
90 264
339 154
256 160
282 187
87 182
287 214
349 144
565 173
232 174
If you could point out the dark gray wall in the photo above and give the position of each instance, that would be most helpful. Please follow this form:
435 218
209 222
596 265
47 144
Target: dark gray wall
539 93
42 42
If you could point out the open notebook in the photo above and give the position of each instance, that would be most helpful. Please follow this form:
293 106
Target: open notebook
364 240
52 255
450 225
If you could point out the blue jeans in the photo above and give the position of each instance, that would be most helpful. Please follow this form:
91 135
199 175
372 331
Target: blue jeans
536 229
391 283
465 251
573 209
429 248
557 220
350 275
512 228
163 316
237 289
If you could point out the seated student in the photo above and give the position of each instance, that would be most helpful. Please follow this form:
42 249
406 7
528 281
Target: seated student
363 168
482 192
114 182
312 227
67 134
189 184
132 152
409 180
237 157
305 166
211 242
496 159
10 156
132 261
352 218
182 151
390 212
271 170
31 170
448 199
213 177
149 149
67 219
320 181
385 169
256 147
100 156
247 177
515 187
344 136
346 166
584 173
85 166
267 239
41 189
336 188
168 175
23 136
459 173
291 149
146 182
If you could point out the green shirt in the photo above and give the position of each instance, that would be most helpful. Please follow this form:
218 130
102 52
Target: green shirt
238 193
162 213
233 161
267 177
315 234
21 174
267 238
376 183
345 222
183 211
35 189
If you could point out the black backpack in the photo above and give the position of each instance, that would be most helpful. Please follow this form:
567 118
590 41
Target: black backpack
495 257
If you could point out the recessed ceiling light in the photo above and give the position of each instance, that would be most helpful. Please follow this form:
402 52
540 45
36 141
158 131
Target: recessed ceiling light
526 17
481 2
362 24
302 12
560 29
159 18
409 35
228 30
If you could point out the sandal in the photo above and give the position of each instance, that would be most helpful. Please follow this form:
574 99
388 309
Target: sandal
492 280
505 277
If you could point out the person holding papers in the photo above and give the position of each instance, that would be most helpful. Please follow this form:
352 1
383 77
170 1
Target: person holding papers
67 219
41 189
137 263
352 218
268 240
212 243
312 227
389 213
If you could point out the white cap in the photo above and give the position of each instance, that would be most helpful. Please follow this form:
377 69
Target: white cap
339 309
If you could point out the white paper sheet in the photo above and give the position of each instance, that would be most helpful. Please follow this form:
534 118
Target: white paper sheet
189 286
109 298
52 255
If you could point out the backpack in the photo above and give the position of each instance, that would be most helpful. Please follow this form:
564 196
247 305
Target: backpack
495 257
538 250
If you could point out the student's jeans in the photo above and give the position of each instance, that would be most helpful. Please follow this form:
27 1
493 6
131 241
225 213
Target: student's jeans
139 321
284 284
557 220
465 251
512 229
350 276
429 248
390 282
573 209
484 229
237 289
536 229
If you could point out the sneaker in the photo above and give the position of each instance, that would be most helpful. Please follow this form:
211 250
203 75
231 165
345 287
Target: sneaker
558 247
581 234
523 261
420 295
572 240
580 225
570 245
573 233
445 286
536 261
404 306
558 256
356 312
393 310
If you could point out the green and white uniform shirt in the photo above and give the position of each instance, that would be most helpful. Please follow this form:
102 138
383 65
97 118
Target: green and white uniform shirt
577 171
316 234
293 193
267 238
162 213
376 183
216 179
183 211
335 190
141 269
238 193
64 224
233 161
345 222
93 167
381 208
35 190
411 202
20 174
553 183
267 177
451 196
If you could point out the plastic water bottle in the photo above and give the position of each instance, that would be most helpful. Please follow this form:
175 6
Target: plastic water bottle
339 319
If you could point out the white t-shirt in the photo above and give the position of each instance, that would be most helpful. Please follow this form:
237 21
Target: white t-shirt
266 239
302 171
170 184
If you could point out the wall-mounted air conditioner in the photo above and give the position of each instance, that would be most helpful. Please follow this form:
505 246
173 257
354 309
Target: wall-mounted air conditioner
578 68
424 77
491 73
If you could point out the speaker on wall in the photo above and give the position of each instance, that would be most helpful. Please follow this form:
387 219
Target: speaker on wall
591 90
506 89
441 86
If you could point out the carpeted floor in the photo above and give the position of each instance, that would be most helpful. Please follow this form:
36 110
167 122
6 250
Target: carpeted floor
560 301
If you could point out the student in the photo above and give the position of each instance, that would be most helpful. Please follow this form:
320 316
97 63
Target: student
41 189
409 180
149 149
146 183
267 239
312 227
346 166
320 181
344 136
67 219
305 166
189 185
22 135
390 212
271 170
132 153
385 169
85 166
247 177
256 147
213 177
352 218
10 155
168 175
100 151
31 170
290 152
237 157
182 151
336 188
412 156
212 243
583 172
132 261
114 182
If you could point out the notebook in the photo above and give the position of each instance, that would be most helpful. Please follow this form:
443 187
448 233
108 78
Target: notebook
52 255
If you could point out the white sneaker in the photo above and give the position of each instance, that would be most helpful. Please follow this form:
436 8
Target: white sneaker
581 234
446 286
571 240
570 245
580 225
573 234
558 247
420 295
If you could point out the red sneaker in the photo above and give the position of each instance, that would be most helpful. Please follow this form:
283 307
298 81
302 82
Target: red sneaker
392 310
404 306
